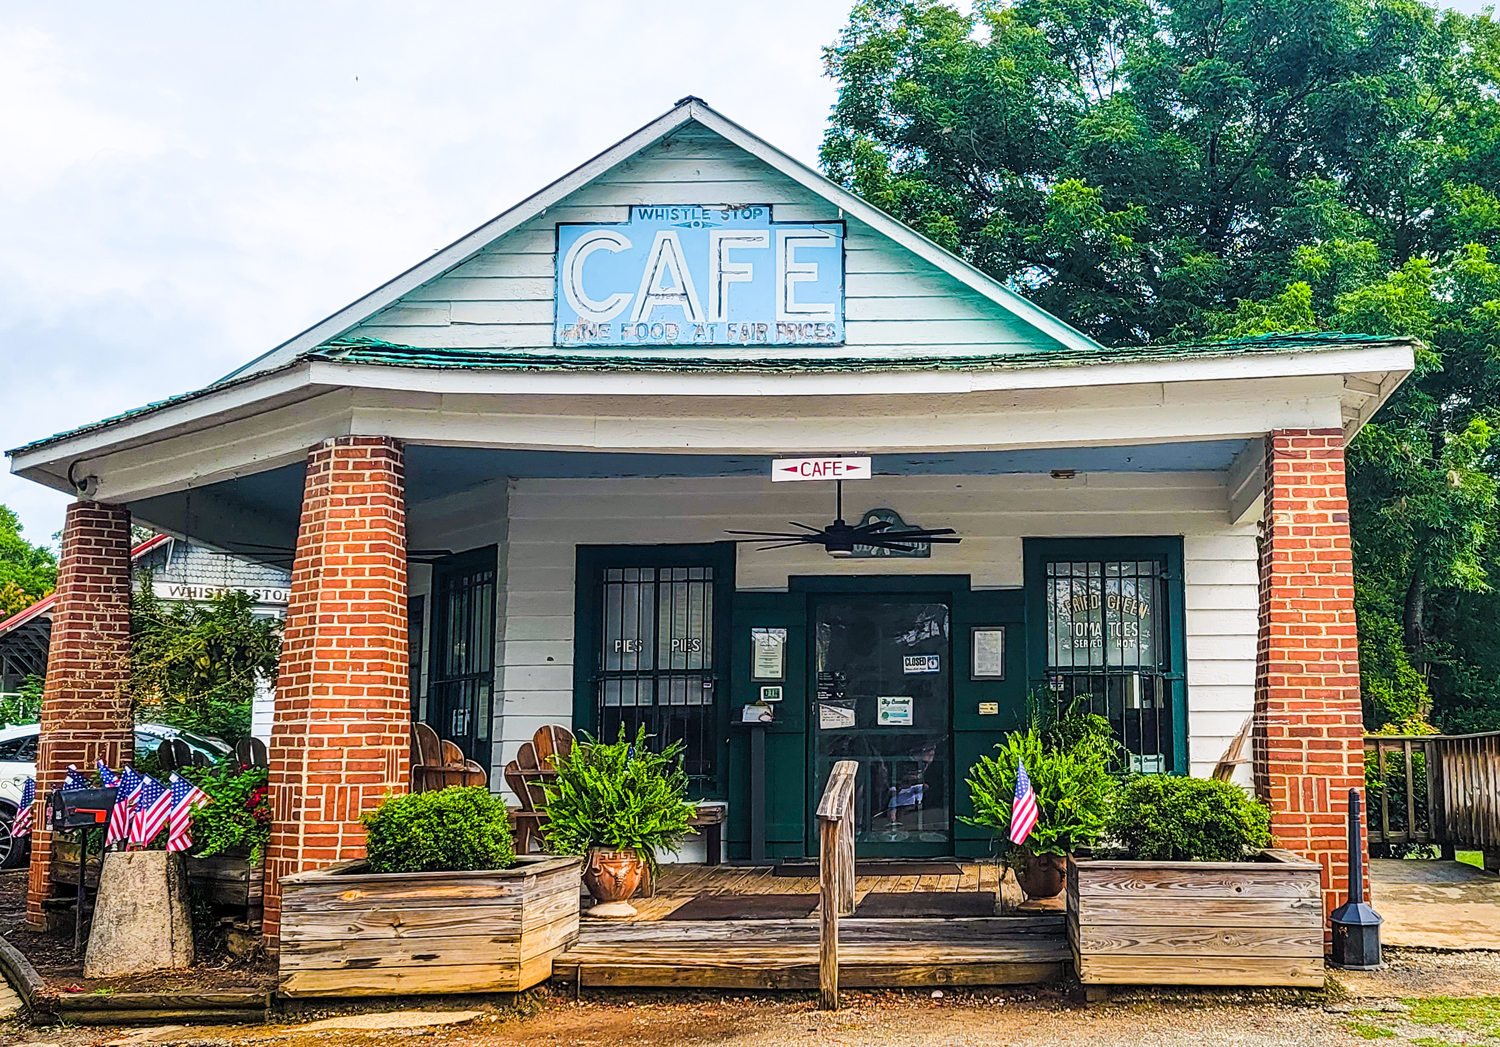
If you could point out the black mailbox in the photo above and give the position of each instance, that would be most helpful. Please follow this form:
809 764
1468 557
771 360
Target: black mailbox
72 809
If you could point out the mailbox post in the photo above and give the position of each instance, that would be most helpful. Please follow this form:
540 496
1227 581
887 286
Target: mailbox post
79 810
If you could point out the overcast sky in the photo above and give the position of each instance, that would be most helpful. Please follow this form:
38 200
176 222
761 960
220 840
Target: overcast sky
184 185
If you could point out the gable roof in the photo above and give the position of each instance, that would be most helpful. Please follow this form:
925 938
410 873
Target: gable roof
687 111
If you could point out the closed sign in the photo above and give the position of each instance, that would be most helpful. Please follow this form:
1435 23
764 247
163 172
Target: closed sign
691 275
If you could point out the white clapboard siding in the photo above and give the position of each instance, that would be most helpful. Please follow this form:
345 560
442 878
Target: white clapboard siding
503 297
550 518
1222 595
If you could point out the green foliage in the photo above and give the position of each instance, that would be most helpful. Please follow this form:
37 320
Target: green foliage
1151 172
1069 772
25 706
449 830
1168 819
619 796
27 572
240 814
194 665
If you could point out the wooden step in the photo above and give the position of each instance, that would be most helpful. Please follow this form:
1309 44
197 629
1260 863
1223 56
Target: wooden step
852 930
783 954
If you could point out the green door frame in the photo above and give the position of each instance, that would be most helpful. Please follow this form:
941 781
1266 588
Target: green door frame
1037 552
590 560
941 587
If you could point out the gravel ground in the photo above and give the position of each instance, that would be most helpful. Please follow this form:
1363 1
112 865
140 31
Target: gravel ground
1422 999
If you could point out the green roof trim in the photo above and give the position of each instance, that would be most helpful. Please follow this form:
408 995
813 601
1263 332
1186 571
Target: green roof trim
365 351
374 351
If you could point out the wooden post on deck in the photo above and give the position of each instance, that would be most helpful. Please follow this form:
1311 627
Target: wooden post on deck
835 875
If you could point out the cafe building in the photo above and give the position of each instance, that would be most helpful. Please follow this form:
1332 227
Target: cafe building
694 439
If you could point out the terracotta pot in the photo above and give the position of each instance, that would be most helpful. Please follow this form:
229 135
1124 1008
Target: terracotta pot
1042 875
612 877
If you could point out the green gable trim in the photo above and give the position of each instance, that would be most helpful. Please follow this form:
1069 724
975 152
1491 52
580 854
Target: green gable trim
373 351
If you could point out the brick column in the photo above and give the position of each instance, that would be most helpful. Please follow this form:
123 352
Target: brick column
1309 727
86 712
341 737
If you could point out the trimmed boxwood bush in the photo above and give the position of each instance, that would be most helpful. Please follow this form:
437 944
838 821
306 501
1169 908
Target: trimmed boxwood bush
1167 819
453 829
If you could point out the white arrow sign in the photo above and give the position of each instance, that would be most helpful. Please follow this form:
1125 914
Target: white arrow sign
820 469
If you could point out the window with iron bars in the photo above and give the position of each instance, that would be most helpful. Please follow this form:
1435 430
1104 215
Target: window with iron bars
656 660
1107 648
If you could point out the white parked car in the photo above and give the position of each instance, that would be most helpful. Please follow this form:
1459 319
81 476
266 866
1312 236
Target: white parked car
18 762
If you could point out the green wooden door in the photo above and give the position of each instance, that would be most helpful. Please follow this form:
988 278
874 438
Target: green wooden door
785 739
984 708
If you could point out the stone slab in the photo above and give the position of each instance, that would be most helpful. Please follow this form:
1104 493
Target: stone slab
141 921
1435 905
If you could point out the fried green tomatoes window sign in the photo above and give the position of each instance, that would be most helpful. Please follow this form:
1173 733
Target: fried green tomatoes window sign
692 275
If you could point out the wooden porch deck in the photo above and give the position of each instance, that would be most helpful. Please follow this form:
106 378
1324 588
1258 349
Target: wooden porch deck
1020 944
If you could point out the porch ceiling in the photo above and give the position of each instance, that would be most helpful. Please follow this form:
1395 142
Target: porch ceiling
256 515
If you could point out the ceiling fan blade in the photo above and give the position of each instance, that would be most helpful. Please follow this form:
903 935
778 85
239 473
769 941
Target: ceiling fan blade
772 534
917 532
814 530
785 545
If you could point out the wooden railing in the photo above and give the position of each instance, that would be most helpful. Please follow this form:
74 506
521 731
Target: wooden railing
1435 789
835 874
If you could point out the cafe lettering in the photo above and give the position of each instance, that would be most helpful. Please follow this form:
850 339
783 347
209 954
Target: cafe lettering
701 276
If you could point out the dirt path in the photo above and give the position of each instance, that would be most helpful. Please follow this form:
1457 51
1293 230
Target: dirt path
1422 1000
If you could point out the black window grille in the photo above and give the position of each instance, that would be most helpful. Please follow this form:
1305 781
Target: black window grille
656 660
1107 650
462 676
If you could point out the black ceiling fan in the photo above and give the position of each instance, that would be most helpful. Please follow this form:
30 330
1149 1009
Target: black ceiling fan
840 538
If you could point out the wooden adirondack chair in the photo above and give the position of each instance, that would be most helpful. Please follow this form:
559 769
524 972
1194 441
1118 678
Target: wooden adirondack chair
437 763
525 776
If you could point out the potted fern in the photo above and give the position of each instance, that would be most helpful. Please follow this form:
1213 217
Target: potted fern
1068 763
620 804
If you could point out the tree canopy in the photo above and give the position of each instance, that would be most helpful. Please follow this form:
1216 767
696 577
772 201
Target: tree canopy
27 572
1191 169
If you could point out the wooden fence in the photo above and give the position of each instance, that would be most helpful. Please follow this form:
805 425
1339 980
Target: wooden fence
1442 790
835 874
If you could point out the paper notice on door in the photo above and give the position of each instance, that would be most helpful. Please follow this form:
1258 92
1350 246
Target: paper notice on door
834 716
893 711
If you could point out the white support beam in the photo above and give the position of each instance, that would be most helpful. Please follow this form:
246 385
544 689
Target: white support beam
1246 485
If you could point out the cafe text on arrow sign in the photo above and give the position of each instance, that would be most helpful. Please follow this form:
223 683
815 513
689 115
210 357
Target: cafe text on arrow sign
820 469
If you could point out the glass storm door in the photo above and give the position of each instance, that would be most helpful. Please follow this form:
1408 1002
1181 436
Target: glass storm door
463 651
882 695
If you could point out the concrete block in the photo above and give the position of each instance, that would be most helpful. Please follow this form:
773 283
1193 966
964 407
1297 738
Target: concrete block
141 918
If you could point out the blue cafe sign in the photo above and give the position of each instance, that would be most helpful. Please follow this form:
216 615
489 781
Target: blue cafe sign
700 276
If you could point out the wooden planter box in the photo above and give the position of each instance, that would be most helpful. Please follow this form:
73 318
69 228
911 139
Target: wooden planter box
347 932
1197 923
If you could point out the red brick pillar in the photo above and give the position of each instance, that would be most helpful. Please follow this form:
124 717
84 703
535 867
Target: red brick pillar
1309 727
86 712
341 737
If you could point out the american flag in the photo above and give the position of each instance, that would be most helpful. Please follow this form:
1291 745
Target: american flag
151 810
185 796
108 777
74 779
1023 812
126 792
22 824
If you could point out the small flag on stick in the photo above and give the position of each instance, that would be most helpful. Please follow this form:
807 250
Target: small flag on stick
151 810
22 824
127 791
1023 812
185 797
108 777
74 780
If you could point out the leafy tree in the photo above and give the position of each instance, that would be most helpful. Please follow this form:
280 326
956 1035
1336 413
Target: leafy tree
27 572
195 665
1195 169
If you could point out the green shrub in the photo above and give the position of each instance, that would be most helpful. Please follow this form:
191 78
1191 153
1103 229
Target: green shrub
239 814
1161 818
619 796
1072 786
452 829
